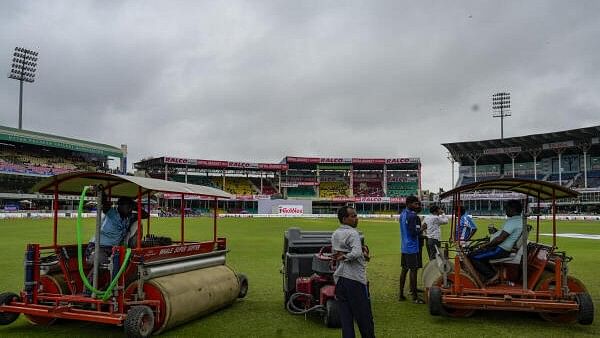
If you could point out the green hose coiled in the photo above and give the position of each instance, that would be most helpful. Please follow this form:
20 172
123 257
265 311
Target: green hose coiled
104 295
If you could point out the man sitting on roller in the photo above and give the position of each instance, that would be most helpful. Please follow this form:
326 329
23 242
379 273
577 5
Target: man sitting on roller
501 242
116 229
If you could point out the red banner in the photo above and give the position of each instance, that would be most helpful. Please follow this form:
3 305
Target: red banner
268 166
334 160
368 161
211 163
302 159
401 160
176 160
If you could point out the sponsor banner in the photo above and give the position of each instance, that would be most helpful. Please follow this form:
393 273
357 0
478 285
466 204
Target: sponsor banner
330 160
368 161
174 196
558 145
268 166
177 160
402 179
302 160
244 165
507 150
298 184
246 197
402 160
366 179
290 209
342 199
375 199
211 164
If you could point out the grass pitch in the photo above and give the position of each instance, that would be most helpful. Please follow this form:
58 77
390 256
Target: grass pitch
256 247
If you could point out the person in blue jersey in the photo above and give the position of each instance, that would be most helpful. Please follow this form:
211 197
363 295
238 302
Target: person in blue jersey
350 276
501 243
409 239
466 226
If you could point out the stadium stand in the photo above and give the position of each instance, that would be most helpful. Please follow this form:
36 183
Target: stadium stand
367 189
27 156
402 189
575 154
333 189
301 192
235 185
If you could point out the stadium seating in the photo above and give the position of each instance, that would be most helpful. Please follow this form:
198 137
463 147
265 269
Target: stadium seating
40 163
235 185
193 179
368 189
267 187
333 189
402 189
302 191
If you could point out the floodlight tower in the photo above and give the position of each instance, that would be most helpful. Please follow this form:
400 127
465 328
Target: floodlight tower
501 107
23 69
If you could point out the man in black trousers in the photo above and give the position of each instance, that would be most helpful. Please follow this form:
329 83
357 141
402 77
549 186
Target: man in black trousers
351 289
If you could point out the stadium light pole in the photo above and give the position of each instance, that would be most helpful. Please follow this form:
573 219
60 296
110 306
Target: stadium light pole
501 108
23 69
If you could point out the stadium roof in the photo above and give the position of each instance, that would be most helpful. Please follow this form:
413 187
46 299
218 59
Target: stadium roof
40 139
543 190
546 144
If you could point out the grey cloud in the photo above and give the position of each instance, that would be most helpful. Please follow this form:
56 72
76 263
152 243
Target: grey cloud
255 81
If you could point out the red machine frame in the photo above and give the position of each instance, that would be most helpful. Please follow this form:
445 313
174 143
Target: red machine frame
46 301
543 284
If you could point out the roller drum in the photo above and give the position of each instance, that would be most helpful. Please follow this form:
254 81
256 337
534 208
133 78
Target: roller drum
188 295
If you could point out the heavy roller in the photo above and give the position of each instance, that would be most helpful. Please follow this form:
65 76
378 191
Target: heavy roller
533 278
155 285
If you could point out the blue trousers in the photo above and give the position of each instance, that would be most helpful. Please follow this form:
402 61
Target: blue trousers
355 305
481 260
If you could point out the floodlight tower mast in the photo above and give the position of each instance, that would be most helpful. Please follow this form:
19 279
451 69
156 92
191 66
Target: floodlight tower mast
501 108
23 69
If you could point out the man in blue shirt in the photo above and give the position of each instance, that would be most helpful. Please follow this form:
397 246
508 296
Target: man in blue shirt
115 228
501 242
409 237
466 226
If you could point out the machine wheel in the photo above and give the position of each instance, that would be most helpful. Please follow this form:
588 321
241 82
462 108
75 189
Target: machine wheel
243 285
586 308
139 322
547 283
467 281
332 314
50 284
8 317
435 301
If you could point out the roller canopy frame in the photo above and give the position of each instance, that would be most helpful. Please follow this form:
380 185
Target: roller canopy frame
183 256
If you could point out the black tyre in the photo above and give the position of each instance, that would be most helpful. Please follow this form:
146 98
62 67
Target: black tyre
243 285
586 309
139 322
435 301
332 314
8 317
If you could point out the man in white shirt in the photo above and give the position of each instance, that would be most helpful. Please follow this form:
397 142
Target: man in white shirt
432 228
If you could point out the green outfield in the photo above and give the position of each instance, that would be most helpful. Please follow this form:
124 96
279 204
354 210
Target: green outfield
256 246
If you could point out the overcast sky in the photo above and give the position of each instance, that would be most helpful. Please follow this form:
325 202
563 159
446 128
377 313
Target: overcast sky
258 80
